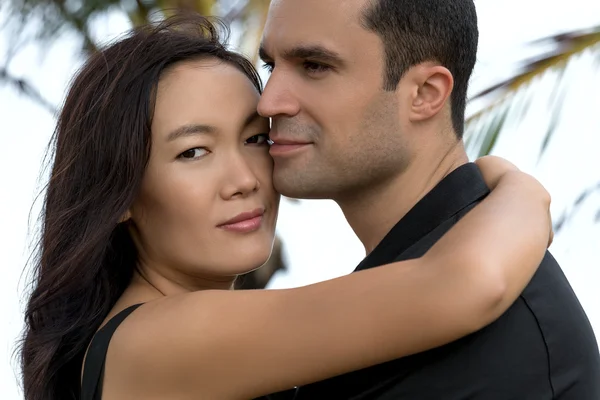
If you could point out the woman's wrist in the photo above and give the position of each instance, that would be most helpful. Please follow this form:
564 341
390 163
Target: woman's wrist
528 190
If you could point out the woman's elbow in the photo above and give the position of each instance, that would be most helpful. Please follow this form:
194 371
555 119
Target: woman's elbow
494 298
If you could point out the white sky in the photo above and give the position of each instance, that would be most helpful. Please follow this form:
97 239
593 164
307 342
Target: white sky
318 243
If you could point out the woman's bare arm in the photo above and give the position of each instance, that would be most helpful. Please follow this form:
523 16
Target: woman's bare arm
239 345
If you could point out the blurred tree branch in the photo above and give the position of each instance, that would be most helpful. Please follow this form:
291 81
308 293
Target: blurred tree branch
26 89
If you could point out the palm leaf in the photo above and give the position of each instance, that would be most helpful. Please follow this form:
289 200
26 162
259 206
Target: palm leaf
511 98
578 202
566 47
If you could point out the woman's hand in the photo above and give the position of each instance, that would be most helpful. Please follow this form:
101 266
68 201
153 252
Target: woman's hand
494 169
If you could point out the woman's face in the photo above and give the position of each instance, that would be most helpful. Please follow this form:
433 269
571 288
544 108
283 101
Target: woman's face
207 207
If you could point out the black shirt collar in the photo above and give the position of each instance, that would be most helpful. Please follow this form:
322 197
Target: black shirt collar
459 189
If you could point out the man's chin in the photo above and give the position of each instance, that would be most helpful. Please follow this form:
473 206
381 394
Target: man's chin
299 190
289 185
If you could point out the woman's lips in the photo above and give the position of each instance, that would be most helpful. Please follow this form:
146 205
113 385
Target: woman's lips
245 222
246 226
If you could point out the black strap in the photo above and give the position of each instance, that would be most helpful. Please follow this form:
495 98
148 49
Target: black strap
93 370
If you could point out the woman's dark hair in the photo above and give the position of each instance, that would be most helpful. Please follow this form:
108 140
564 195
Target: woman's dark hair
85 258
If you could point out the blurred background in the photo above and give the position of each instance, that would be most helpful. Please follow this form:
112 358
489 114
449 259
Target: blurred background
534 99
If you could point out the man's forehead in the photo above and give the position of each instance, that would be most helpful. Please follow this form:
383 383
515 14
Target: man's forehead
334 3
322 23
316 13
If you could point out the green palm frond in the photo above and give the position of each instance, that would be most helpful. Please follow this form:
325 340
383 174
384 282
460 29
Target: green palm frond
511 98
566 216
483 128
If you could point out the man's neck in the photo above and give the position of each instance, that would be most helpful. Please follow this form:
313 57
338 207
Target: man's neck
374 212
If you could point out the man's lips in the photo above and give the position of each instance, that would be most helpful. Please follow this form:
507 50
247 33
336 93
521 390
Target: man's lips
283 146
283 141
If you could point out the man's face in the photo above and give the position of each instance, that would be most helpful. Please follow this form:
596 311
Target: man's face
336 130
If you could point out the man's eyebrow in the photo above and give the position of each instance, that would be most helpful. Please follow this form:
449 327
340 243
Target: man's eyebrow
316 52
313 52
191 130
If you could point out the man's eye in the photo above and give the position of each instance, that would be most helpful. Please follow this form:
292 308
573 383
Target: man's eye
259 139
193 154
314 67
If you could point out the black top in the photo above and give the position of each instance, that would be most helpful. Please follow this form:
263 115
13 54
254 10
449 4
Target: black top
543 347
93 370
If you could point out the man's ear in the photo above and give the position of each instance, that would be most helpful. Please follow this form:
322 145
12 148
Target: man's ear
433 85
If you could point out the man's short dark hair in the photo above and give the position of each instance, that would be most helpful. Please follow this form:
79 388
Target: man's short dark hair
414 31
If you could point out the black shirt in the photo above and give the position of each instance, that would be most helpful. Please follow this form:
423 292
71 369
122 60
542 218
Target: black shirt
543 347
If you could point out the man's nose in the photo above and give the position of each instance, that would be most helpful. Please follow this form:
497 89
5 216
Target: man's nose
278 98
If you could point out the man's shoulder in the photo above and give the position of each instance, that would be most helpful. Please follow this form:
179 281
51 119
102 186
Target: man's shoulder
549 280
551 299
571 345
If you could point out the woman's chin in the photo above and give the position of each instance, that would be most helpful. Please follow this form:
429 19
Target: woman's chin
246 257
251 265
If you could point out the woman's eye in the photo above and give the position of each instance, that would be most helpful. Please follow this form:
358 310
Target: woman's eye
269 67
262 138
193 154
